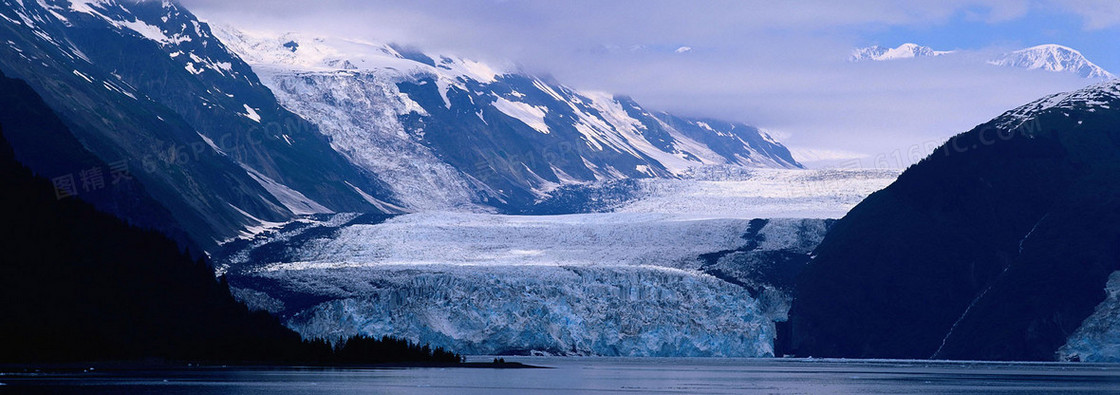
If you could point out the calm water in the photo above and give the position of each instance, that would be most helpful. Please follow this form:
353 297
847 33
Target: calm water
602 376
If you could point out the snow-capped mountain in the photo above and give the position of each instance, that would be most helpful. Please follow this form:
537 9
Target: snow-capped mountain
1052 57
145 85
444 131
1048 57
904 51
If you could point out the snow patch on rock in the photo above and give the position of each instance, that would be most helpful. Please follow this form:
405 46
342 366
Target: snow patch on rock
531 116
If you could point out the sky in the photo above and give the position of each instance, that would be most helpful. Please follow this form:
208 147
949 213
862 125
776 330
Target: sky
778 65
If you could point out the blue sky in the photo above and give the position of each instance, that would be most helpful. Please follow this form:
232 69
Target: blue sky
777 65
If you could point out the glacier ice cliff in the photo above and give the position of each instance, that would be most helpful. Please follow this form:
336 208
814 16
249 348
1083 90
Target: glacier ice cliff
616 284
1098 338
567 310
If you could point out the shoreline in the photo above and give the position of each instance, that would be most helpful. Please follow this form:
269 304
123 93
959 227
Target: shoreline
13 369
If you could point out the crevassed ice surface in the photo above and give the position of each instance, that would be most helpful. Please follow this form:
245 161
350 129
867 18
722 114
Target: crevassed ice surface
568 310
731 192
593 284
1098 338
360 113
504 240
359 109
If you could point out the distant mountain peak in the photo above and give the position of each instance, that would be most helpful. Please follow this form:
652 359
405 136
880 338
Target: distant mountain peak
904 51
1052 57
1046 57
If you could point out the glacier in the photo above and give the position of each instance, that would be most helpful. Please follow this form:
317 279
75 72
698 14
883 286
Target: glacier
736 192
607 284
504 240
559 310
677 264
362 119
595 284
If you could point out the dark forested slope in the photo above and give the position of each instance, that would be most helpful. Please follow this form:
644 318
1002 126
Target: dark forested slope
77 284
997 246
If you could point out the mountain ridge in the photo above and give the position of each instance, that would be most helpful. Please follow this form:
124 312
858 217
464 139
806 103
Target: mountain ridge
904 51
1055 58
1045 57
146 82
427 104
340 126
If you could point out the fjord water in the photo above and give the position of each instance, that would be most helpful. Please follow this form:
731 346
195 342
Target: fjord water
604 375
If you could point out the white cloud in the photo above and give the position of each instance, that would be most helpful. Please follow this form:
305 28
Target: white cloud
1098 14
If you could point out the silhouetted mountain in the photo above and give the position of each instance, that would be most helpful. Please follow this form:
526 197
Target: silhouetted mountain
77 284
997 246
43 142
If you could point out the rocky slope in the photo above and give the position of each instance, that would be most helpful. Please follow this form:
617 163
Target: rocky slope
146 86
444 131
